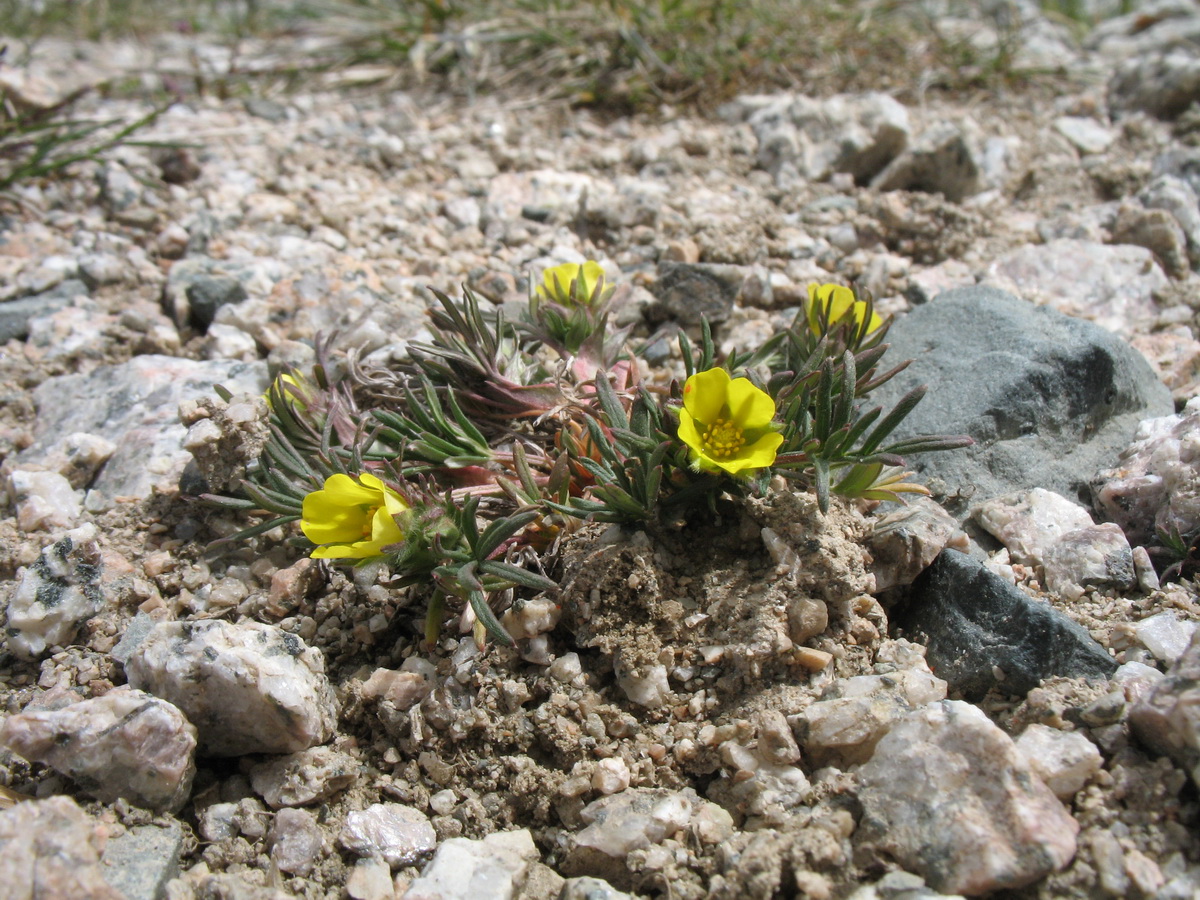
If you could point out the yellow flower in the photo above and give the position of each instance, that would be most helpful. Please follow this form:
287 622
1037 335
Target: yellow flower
726 423
352 519
838 300
563 284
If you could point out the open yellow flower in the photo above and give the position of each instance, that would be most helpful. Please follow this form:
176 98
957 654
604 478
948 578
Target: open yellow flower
726 423
352 519
558 284
839 300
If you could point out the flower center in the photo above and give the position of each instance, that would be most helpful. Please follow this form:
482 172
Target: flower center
369 521
722 439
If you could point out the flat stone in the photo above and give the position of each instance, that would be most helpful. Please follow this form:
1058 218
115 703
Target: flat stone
948 796
1085 133
1048 399
248 688
687 293
125 744
977 625
140 862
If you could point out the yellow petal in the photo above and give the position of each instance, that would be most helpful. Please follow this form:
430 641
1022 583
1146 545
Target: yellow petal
384 529
325 520
749 406
687 431
758 455
704 395
361 550
345 490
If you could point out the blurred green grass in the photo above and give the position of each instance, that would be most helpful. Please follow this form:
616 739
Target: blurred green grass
619 54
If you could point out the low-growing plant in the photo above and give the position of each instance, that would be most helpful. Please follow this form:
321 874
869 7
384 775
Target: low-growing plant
462 467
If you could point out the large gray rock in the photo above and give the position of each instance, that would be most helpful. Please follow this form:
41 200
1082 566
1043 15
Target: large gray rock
983 632
1048 399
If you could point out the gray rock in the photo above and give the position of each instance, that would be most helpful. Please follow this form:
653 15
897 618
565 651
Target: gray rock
857 134
140 862
1173 194
1163 84
135 405
56 595
1111 284
948 796
490 869
399 834
1048 399
15 314
1158 231
1180 162
248 688
135 632
944 159
976 625
208 293
1167 717
51 848
687 292
124 744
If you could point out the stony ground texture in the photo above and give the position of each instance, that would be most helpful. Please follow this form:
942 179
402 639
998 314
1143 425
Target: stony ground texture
726 709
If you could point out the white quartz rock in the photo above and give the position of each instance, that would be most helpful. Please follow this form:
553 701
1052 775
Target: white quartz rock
644 685
248 688
948 796
490 869
641 817
1092 556
1030 522
1165 635
393 832
1064 760
56 594
125 744
45 500
295 841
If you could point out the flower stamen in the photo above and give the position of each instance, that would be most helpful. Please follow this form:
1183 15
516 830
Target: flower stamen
723 439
